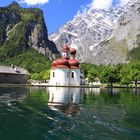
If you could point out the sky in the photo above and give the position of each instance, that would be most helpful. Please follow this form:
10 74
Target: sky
58 12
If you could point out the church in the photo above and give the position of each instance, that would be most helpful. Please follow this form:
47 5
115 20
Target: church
65 71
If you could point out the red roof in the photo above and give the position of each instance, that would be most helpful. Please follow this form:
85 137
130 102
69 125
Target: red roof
65 48
72 51
73 63
66 63
61 62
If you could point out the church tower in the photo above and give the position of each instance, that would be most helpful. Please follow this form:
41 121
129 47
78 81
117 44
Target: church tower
65 71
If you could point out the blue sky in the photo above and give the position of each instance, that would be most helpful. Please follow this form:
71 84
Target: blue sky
58 12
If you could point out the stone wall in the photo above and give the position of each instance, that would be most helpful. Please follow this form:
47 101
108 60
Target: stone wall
13 78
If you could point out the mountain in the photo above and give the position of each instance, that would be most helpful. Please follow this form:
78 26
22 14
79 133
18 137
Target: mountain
23 30
104 36
125 37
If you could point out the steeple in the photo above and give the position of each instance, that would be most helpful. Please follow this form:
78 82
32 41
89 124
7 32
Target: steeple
65 52
65 70
72 52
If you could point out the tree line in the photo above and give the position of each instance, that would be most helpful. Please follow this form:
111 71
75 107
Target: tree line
122 74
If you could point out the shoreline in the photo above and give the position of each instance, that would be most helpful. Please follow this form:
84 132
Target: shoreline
70 86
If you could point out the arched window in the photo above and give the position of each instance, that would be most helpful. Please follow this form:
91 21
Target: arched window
53 74
72 75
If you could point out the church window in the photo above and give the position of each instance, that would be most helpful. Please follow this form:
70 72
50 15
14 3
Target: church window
53 75
72 75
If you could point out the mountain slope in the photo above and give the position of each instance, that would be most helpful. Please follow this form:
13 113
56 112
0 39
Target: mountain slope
124 38
102 36
22 30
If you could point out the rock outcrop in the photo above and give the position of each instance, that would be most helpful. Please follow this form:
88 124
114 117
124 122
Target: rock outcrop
22 29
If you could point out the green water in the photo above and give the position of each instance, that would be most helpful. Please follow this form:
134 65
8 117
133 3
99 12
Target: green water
31 113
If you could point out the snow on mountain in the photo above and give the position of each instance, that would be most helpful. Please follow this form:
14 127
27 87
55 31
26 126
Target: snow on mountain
90 29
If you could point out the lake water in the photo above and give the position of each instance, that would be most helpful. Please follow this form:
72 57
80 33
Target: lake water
40 113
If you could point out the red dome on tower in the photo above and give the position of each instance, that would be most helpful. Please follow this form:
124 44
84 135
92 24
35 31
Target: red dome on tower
65 48
54 64
60 63
74 64
72 51
66 62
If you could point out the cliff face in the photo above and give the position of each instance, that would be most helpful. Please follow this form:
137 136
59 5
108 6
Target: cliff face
86 31
22 29
124 38
102 36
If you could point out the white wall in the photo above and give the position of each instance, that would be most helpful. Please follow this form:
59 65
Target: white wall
52 79
76 79
61 76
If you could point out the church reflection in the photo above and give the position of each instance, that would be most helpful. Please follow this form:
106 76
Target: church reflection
66 100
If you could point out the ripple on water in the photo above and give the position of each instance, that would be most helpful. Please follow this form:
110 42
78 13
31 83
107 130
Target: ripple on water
96 118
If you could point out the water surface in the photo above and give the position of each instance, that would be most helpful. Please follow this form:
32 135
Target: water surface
40 113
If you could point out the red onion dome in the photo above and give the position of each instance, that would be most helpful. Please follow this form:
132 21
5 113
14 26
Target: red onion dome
54 63
61 62
65 48
74 64
72 51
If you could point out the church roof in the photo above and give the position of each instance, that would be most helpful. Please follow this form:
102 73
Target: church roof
13 70
65 48
73 63
72 51
63 62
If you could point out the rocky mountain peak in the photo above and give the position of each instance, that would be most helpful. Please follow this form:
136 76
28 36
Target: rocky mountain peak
92 31
14 5
22 29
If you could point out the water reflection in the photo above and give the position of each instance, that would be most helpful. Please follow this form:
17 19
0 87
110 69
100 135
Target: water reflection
39 113
95 91
10 94
65 99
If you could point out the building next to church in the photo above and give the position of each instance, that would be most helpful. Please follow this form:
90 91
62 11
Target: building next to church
13 75
65 71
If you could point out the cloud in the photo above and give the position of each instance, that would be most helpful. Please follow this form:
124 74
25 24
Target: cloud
33 2
104 4
101 4
124 1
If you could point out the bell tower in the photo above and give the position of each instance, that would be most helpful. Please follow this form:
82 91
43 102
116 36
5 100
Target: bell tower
65 52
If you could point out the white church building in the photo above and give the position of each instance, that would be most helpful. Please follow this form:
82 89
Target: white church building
65 71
